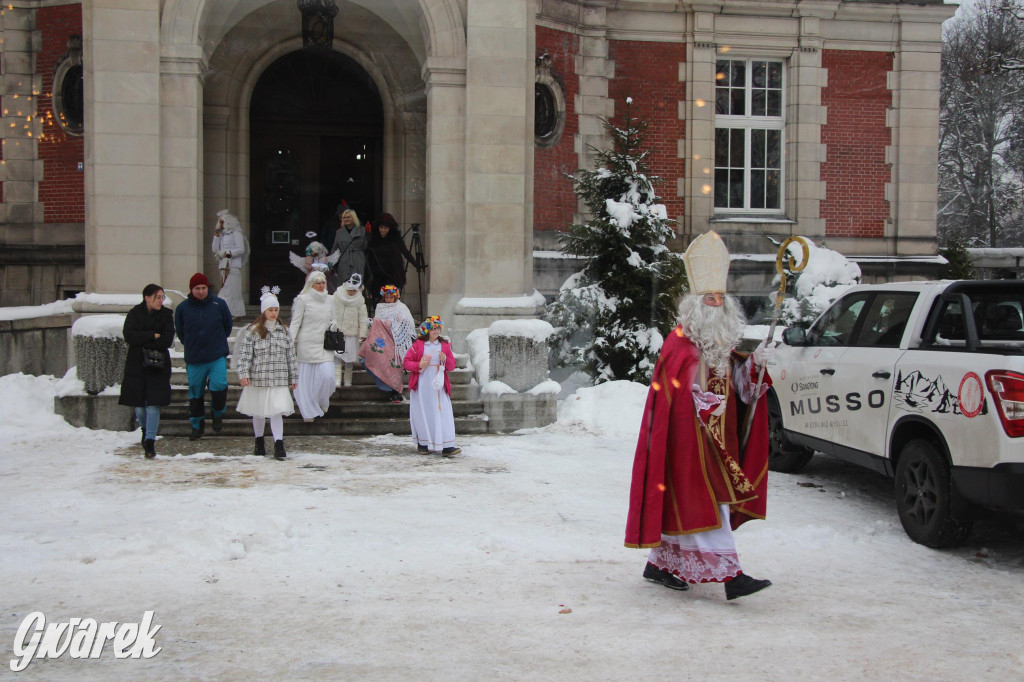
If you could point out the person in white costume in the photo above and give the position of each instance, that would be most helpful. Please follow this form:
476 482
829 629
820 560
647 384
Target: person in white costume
430 404
351 318
266 370
311 316
231 251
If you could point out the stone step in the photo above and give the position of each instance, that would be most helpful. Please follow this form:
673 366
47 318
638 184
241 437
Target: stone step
359 375
294 426
340 410
179 393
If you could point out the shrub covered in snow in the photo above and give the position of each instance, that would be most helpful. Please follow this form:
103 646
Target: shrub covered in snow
826 276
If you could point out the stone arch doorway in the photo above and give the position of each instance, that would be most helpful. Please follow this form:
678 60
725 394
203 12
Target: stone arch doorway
316 138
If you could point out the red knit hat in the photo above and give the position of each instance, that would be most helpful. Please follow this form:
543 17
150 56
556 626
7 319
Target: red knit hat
198 279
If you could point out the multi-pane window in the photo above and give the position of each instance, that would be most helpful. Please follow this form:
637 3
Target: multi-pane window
748 135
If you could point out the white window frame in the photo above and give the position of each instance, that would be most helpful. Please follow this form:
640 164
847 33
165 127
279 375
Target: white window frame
749 123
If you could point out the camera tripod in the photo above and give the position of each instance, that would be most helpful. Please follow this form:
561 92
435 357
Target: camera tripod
420 263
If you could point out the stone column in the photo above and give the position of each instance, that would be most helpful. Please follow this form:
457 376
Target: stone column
595 70
699 114
445 239
184 245
914 118
805 115
20 171
122 145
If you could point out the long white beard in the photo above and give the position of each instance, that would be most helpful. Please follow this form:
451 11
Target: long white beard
716 331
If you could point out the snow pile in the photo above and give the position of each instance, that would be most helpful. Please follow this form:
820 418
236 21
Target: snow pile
496 388
99 326
26 407
613 408
479 353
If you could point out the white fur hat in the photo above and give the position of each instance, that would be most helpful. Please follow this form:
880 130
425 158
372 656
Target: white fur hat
269 298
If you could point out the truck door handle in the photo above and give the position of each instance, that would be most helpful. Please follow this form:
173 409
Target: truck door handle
881 374
828 370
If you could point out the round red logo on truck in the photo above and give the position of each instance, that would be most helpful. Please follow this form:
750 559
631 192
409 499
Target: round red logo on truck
971 396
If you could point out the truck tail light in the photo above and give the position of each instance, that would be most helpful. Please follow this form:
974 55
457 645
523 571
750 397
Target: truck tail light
1008 393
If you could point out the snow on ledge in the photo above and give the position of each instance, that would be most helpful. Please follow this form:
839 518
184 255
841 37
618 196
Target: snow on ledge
99 326
535 330
28 312
532 301
546 387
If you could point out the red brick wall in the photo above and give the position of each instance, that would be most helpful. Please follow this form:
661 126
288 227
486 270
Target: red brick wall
649 73
855 172
554 201
62 189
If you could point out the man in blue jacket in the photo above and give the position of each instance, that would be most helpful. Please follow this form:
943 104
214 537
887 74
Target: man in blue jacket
203 323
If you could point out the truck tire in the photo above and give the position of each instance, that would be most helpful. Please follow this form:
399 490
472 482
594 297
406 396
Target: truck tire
924 497
783 456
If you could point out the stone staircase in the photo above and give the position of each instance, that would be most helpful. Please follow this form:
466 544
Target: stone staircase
360 409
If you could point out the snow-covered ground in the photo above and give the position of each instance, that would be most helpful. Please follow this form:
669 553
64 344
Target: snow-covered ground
358 559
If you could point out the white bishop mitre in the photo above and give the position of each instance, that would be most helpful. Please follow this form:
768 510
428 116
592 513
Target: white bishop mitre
707 264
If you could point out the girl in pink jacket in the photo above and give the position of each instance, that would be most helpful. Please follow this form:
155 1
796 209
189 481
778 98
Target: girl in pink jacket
430 404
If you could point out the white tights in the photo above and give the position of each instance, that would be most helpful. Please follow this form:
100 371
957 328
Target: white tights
259 424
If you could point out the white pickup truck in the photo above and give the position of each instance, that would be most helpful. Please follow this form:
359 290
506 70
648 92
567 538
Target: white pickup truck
921 381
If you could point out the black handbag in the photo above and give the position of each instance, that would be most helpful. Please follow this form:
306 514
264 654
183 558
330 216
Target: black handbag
153 358
334 339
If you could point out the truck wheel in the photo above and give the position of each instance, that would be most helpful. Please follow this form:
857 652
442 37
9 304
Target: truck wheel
924 497
783 456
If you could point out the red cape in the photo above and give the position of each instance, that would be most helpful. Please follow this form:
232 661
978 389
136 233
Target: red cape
671 492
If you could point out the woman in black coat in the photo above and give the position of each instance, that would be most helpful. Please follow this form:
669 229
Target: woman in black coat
384 256
150 326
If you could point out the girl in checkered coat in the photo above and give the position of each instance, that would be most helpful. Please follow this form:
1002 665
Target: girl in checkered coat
267 370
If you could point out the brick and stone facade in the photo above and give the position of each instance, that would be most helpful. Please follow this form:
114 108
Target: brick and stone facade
169 137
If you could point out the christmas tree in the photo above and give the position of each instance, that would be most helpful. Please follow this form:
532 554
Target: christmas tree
611 317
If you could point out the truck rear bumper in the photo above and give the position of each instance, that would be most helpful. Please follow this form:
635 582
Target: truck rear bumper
1001 487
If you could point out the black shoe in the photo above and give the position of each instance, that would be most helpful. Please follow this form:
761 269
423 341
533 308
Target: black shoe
142 441
260 450
656 575
743 584
279 449
422 449
149 447
448 452
198 433
395 398
218 424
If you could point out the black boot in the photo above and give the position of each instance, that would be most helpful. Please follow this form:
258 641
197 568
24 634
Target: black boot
656 575
743 584
260 450
279 449
149 447
198 433
218 424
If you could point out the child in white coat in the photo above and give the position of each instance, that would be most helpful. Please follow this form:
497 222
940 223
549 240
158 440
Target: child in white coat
351 318
266 370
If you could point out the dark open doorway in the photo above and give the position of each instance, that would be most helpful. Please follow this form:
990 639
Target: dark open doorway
316 124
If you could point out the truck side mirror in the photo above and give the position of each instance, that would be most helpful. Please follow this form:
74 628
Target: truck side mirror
794 336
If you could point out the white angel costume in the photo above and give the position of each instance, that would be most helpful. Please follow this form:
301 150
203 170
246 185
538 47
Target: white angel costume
231 250
318 260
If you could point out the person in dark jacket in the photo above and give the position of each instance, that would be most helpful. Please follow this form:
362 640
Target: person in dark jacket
149 326
203 323
350 243
386 254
